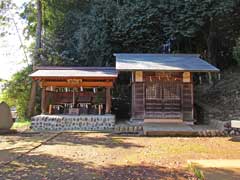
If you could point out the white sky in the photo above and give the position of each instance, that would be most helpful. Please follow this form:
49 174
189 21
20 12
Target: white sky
11 54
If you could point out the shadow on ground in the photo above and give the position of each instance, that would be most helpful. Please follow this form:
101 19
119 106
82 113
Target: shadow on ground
26 137
43 167
91 139
235 139
14 145
221 173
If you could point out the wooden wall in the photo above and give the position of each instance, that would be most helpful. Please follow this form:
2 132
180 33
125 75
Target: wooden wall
139 100
138 97
67 97
187 101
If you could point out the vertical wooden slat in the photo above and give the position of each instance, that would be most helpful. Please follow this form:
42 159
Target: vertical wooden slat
182 112
192 96
133 96
167 103
138 100
187 102
43 100
108 100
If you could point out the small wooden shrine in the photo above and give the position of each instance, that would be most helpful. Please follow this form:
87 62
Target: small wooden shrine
162 85
75 90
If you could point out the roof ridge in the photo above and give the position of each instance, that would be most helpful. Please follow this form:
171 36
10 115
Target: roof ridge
74 68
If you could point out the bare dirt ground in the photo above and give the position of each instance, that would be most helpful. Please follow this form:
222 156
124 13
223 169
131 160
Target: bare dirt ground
104 156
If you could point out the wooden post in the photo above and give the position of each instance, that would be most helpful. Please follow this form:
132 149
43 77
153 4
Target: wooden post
108 100
219 76
132 94
210 78
73 103
50 109
200 79
43 100
99 110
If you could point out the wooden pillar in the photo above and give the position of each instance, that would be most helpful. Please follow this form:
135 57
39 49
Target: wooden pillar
219 76
210 78
200 79
108 100
43 101
74 99
132 94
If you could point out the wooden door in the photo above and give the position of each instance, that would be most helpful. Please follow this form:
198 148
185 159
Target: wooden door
163 100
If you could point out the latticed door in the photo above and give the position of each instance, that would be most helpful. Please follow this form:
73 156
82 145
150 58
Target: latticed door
163 99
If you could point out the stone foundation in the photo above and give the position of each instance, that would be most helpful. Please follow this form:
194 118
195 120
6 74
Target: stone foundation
67 122
231 130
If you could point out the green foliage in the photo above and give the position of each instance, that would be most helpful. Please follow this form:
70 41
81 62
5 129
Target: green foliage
23 123
16 92
87 33
6 6
197 172
29 13
236 51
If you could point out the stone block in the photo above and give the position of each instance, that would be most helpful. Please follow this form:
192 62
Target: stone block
6 120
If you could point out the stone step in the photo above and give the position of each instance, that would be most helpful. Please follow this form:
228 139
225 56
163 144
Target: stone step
128 129
179 129
212 133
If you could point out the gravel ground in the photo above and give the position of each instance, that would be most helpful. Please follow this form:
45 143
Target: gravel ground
104 156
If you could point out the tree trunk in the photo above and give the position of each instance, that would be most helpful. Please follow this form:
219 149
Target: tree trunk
38 44
212 44
32 100
36 59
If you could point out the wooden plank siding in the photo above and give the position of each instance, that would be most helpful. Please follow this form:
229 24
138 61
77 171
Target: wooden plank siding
187 101
67 97
167 103
162 96
138 105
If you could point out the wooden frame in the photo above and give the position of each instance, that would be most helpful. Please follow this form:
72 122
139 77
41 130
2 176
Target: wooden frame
185 102
49 82
80 84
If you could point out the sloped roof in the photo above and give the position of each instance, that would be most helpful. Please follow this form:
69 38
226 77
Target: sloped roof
74 72
163 62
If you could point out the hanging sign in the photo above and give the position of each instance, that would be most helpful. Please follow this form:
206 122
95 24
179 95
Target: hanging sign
74 81
186 77
139 76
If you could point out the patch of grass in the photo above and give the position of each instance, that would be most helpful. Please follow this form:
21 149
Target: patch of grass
197 172
21 124
116 140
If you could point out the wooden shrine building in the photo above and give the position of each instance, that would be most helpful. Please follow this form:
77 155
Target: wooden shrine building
75 90
79 98
162 85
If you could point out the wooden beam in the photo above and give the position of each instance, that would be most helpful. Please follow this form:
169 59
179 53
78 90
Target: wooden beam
43 101
210 78
80 84
66 78
108 100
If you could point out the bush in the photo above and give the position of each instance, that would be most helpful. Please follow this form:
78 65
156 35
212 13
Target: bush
17 90
236 51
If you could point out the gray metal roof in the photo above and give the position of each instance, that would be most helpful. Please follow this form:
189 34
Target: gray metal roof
163 62
51 72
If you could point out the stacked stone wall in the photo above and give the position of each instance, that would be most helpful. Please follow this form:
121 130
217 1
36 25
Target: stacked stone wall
63 123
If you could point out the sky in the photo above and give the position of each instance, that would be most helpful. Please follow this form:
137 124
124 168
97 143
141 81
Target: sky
11 53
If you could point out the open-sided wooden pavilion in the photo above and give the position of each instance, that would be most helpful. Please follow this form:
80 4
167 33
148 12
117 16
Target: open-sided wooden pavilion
75 90
162 85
